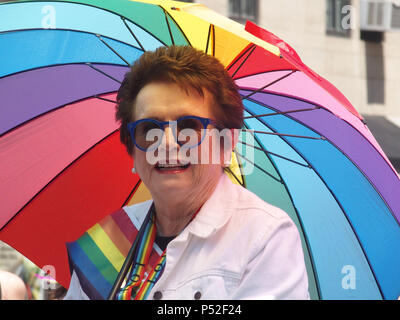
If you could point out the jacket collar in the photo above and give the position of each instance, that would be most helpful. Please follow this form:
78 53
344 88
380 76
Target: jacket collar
216 211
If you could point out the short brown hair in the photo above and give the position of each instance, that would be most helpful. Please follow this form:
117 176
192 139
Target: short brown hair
188 68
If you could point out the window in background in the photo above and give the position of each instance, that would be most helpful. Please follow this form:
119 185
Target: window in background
243 10
396 15
336 18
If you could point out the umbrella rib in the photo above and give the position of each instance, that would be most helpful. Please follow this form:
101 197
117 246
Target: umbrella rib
260 73
268 85
282 112
234 175
213 40
131 193
208 38
104 99
45 113
178 26
169 27
112 49
258 167
275 154
264 105
240 169
244 60
102 72
74 31
241 55
285 134
131 32
55 65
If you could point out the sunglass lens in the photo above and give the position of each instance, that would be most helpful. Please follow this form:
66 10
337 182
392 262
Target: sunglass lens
189 132
148 133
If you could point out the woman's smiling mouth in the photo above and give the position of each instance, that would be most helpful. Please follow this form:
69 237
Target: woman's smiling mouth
171 167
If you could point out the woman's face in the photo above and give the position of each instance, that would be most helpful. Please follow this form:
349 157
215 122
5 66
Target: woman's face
168 102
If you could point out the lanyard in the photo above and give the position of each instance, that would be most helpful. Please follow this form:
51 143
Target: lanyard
138 287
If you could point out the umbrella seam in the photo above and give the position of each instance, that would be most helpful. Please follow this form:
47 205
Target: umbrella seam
132 33
234 175
112 49
92 6
262 72
244 60
281 113
71 30
213 40
266 172
178 26
269 84
275 154
89 64
49 111
169 27
288 135
239 56
61 64
208 38
104 99
132 192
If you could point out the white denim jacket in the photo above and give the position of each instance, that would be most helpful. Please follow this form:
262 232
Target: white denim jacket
237 247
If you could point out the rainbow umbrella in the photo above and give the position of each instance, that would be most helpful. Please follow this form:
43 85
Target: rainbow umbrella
63 167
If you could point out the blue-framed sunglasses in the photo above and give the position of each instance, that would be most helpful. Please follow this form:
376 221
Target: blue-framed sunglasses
188 131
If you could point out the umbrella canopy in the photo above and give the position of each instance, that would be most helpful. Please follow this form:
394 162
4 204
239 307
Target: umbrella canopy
63 167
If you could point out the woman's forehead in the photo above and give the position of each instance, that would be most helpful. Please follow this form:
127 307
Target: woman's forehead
168 101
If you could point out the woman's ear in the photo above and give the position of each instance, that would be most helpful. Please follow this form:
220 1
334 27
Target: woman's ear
229 139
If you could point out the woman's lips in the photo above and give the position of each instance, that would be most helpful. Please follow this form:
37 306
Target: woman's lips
171 168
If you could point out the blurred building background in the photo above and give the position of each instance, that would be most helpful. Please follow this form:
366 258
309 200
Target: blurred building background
38 285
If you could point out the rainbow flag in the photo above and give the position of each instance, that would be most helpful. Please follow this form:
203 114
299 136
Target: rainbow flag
98 255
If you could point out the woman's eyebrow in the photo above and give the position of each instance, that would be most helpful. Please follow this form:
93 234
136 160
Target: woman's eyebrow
163 119
150 117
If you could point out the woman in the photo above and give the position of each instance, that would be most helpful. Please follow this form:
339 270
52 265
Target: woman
207 238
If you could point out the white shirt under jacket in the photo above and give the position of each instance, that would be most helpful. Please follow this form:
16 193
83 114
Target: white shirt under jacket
237 247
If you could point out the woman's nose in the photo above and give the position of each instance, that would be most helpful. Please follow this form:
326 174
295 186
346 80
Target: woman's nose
168 141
